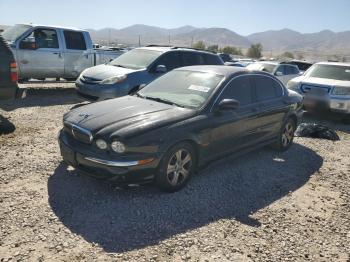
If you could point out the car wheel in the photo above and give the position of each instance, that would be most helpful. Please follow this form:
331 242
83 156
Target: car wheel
286 136
176 168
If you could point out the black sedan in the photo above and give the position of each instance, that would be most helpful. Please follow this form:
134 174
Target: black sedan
179 122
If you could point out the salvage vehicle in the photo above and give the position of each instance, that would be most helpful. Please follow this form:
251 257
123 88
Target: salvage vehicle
325 86
284 72
125 74
8 73
179 122
302 65
53 52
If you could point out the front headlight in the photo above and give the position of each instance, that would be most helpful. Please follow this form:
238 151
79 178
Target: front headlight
292 85
114 80
341 91
118 147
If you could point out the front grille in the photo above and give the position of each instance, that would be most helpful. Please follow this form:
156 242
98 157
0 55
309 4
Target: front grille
78 133
315 89
90 80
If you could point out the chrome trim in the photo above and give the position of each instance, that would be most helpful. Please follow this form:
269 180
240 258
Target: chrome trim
112 163
248 74
83 130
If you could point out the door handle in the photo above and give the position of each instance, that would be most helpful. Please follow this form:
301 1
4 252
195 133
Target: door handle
58 53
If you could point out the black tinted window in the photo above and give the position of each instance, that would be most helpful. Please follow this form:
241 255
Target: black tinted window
171 60
43 38
239 89
291 70
266 88
74 40
280 70
212 59
192 58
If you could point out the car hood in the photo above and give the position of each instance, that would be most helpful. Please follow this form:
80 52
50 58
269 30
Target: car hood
105 71
126 116
321 81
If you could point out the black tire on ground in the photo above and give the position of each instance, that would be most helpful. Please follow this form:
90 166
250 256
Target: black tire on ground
285 136
70 79
176 167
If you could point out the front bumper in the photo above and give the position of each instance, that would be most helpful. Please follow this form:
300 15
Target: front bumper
327 103
99 92
119 170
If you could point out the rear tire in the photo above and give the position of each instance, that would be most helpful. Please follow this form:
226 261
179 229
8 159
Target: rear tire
285 136
176 167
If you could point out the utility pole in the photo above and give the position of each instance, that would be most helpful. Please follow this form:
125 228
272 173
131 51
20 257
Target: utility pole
109 36
169 39
192 42
139 40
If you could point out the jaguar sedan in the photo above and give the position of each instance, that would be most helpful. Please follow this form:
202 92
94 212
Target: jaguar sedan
179 122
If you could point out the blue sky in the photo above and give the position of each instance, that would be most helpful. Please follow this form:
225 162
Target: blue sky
243 17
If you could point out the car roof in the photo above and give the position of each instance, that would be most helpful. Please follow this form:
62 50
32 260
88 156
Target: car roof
220 70
163 49
53 26
333 63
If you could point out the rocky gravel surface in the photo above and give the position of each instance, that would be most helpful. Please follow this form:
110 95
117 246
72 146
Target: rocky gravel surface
263 206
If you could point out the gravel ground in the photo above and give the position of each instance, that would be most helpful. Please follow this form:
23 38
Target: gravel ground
264 206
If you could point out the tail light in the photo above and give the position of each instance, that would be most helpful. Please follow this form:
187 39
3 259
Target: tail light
13 72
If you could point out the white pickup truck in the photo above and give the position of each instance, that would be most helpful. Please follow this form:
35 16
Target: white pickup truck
54 52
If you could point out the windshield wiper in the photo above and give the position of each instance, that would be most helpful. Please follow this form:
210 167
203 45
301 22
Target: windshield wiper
161 100
119 66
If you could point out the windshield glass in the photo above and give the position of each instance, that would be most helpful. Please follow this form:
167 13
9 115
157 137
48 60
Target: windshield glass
330 72
136 58
261 67
184 88
12 33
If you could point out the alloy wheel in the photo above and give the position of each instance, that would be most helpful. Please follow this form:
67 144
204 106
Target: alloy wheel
288 134
179 167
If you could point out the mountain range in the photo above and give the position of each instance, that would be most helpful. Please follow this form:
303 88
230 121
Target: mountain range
277 41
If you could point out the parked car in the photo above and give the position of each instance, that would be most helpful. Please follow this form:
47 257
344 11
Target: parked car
8 72
302 65
284 72
53 52
325 86
125 74
179 122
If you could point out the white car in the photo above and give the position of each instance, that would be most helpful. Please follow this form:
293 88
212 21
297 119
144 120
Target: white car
325 85
284 72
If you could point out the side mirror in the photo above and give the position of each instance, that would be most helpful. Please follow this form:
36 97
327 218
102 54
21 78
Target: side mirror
228 104
278 73
161 69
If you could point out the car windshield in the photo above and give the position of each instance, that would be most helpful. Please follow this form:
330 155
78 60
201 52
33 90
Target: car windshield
12 33
184 88
262 67
136 58
330 72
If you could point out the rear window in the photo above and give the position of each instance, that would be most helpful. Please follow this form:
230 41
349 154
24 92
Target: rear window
212 59
74 40
267 88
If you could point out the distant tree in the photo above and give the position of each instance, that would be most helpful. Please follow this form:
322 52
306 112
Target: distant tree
231 50
213 48
199 45
255 51
288 55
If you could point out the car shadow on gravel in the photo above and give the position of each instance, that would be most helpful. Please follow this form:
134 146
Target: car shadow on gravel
231 188
43 97
6 126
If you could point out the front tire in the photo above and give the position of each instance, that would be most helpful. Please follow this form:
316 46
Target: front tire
176 167
286 136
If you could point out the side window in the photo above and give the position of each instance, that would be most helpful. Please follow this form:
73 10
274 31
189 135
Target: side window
212 60
190 58
171 60
43 38
292 70
239 89
74 40
280 71
266 88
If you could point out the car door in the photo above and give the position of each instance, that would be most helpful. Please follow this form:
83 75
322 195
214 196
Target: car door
76 56
234 129
40 54
272 109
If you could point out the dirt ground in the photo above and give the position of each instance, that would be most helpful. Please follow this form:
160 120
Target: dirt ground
263 206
